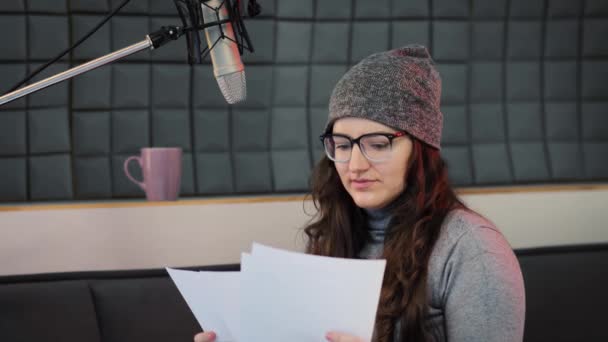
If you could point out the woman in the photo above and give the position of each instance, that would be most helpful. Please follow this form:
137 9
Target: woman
382 191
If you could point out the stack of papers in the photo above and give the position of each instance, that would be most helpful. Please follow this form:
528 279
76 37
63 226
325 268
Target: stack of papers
284 296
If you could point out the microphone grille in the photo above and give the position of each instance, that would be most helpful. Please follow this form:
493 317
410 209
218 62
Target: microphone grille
233 86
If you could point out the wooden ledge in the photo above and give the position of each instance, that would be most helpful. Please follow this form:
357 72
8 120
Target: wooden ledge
532 188
143 203
276 198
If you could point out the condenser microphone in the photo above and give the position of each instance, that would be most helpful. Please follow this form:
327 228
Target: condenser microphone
228 68
219 19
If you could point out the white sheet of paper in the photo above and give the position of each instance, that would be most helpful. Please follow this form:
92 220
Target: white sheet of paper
288 296
285 296
213 298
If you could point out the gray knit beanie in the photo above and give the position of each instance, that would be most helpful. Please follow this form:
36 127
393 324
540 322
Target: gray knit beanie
399 88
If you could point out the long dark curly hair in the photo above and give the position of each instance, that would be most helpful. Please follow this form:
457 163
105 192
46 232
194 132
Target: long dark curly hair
339 229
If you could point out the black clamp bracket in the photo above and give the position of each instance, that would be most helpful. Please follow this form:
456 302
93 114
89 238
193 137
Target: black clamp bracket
165 35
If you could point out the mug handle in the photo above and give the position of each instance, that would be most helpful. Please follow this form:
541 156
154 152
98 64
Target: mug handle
126 168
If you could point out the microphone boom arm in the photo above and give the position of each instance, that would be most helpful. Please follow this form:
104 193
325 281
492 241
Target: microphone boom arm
153 40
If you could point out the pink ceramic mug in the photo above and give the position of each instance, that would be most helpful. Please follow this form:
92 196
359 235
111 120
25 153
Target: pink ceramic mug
162 171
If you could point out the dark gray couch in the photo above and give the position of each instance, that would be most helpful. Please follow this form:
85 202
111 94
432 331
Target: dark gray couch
566 289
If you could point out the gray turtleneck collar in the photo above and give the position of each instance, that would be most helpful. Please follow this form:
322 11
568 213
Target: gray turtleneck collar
377 222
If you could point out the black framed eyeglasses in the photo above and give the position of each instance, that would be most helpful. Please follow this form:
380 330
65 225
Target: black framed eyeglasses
376 147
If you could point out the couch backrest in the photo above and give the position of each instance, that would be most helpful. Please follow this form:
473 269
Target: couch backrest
566 293
48 311
123 306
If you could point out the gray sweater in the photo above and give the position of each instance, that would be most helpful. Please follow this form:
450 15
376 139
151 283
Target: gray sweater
475 285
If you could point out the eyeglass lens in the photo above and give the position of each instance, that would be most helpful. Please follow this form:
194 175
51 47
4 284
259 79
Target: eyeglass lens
375 147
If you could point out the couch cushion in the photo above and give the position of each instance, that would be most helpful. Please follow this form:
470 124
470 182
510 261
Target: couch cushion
60 311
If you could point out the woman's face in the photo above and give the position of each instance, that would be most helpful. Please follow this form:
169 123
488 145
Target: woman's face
373 185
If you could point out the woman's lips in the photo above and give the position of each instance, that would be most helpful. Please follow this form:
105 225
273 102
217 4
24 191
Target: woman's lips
361 184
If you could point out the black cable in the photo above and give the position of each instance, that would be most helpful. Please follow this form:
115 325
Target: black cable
75 45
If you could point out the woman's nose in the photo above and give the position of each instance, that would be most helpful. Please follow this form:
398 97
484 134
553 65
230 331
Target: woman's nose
358 161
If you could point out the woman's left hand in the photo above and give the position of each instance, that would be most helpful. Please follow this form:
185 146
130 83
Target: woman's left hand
334 336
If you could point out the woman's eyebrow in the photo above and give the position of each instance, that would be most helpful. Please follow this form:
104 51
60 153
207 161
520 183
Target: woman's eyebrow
344 134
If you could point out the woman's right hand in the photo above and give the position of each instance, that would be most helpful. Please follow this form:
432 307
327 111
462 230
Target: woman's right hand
334 336
207 336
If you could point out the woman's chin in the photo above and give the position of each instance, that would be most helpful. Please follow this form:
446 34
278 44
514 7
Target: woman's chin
366 200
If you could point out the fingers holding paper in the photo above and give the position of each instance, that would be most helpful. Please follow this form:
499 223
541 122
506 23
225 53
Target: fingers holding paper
207 336
228 303
334 336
